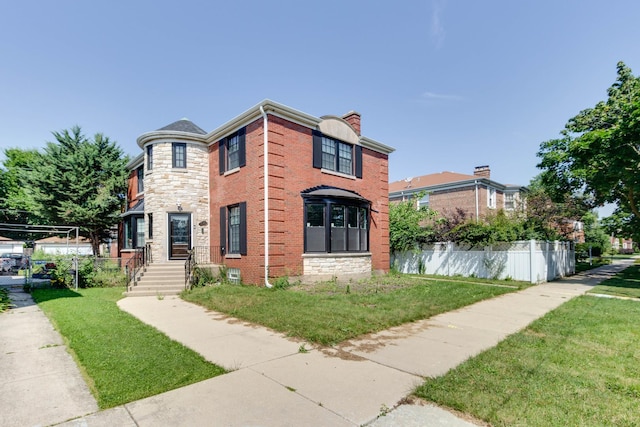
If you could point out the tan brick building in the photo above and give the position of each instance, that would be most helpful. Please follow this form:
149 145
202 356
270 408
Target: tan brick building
274 191
445 192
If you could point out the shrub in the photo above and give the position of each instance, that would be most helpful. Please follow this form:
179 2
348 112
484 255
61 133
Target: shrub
202 277
60 275
5 302
281 283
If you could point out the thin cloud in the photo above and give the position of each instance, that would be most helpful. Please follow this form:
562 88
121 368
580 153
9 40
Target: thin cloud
437 28
442 96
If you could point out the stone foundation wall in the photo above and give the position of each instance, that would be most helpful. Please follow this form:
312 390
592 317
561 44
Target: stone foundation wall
340 266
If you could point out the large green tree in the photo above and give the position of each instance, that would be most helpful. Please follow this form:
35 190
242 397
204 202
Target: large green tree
598 153
81 182
16 204
16 200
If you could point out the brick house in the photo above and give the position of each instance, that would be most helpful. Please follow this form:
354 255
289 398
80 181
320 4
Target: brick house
445 192
273 192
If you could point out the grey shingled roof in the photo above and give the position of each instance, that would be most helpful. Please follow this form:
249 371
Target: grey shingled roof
184 125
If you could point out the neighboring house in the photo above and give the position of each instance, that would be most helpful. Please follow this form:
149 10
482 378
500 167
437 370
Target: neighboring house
572 230
8 245
64 246
275 192
622 245
446 192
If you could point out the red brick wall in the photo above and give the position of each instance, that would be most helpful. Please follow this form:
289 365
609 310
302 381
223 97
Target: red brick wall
132 189
447 202
290 172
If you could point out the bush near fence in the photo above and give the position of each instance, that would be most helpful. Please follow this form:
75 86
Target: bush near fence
93 272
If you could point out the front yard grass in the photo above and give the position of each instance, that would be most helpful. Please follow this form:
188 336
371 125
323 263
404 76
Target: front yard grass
625 284
122 358
330 312
579 365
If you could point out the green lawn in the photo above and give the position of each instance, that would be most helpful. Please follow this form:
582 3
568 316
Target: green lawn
122 358
595 263
577 366
625 284
329 313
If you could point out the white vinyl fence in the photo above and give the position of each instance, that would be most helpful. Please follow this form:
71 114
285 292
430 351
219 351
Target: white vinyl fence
531 261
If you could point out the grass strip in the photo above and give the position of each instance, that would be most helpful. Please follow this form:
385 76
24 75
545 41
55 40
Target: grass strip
330 313
5 301
578 365
122 358
625 284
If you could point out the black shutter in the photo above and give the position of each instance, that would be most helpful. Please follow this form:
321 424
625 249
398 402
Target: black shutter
223 229
317 149
358 161
242 156
243 228
221 155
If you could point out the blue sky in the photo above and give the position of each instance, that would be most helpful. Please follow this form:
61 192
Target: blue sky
450 84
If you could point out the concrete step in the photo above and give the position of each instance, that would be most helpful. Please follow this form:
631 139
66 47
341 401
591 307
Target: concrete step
159 279
152 292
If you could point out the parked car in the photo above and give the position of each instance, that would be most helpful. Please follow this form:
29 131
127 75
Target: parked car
15 261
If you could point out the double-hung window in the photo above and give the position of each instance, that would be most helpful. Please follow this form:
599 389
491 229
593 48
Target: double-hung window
345 153
491 197
509 201
233 229
179 151
232 151
336 156
333 155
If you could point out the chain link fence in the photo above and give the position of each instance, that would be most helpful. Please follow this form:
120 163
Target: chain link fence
59 271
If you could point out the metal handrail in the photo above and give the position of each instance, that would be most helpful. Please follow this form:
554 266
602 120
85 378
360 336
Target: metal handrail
200 255
208 255
189 266
134 264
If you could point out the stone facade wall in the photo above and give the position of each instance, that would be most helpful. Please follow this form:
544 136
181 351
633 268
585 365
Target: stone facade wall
176 190
327 266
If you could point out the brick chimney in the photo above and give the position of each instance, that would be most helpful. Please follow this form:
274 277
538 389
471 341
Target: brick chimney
482 171
353 118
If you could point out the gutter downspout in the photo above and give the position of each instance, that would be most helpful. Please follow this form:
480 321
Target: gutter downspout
266 197
477 207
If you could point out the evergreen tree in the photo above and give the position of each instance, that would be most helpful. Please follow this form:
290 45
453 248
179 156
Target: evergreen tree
81 182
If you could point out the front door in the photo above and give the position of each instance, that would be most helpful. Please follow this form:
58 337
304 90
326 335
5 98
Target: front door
179 235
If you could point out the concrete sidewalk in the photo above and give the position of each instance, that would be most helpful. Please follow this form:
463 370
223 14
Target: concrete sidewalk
40 383
273 383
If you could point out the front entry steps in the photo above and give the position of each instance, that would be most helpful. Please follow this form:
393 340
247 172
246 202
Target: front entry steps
159 279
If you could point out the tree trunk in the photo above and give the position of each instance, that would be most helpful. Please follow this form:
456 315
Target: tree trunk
95 243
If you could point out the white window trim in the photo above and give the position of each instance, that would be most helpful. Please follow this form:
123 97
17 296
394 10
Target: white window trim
491 203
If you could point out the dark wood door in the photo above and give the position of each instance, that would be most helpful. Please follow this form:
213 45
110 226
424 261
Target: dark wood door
179 235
